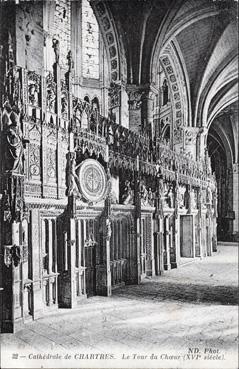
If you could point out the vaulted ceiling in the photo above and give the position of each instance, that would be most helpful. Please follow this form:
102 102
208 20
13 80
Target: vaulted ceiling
204 33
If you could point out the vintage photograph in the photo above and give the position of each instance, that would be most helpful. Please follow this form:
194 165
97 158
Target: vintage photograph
119 224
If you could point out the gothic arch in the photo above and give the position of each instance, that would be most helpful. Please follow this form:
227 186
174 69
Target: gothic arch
223 76
225 142
178 85
221 69
160 39
114 48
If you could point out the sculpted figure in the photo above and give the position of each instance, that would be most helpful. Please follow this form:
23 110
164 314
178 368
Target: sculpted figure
170 197
209 195
6 115
143 194
56 47
16 255
14 144
71 178
70 61
150 197
127 196
186 199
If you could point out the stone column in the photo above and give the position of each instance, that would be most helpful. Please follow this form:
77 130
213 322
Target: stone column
190 140
11 250
50 301
235 200
158 242
36 263
167 265
57 79
71 263
140 102
138 230
152 249
135 102
81 285
114 93
201 143
177 241
209 232
103 272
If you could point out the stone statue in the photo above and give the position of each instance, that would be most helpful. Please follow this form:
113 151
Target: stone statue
56 47
71 178
16 255
6 115
127 196
143 194
209 195
70 61
186 199
150 197
170 197
14 144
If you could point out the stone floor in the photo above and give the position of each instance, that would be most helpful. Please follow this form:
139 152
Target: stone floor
187 318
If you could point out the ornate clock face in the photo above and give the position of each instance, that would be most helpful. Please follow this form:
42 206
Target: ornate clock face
92 179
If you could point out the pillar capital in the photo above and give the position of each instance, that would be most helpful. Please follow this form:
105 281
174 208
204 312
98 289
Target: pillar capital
135 94
140 100
138 93
190 135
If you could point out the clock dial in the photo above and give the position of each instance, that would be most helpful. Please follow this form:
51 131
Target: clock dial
92 180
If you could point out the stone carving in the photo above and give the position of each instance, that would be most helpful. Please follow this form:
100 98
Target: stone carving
190 135
51 163
16 255
108 230
72 181
159 194
209 196
143 194
214 202
150 197
12 254
12 80
128 194
6 206
64 100
186 201
114 95
50 92
90 241
34 160
92 180
14 143
135 99
13 205
70 61
56 47
34 81
170 197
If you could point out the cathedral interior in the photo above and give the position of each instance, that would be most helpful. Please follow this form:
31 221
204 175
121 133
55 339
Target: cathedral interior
119 145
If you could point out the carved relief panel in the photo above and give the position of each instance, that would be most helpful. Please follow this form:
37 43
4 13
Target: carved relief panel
51 156
34 165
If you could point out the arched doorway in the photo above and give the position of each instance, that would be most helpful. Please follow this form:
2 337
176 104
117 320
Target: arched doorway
222 150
